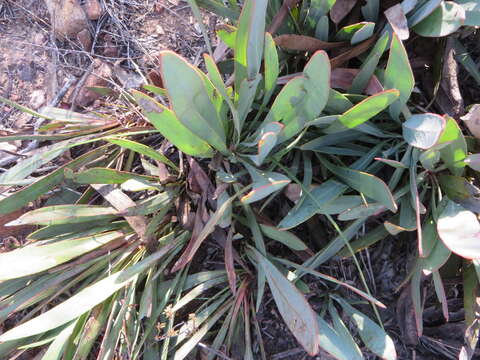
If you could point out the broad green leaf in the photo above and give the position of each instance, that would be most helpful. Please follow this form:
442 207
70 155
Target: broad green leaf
363 111
423 11
347 32
423 130
362 211
84 300
65 214
249 41
266 141
219 85
292 305
472 12
105 176
350 347
369 66
228 35
169 126
331 342
367 184
264 185
374 337
271 66
323 28
370 10
438 254
57 347
363 34
246 96
142 149
473 161
455 152
459 230
219 8
303 98
33 258
22 197
443 21
393 163
398 75
190 100
337 103
285 237
41 157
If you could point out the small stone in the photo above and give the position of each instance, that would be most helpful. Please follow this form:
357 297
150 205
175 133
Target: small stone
37 99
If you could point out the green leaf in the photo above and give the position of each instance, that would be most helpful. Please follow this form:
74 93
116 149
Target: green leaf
264 183
363 111
41 157
22 197
63 214
370 65
249 41
169 126
271 66
398 75
142 149
367 184
190 100
349 345
472 12
435 251
292 305
347 32
285 237
57 347
106 176
84 300
423 11
459 230
266 141
34 258
374 337
456 150
370 10
443 21
423 130
303 98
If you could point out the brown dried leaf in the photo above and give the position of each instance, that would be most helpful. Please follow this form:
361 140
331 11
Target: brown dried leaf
398 21
305 43
353 52
472 120
232 276
340 9
342 78
194 242
122 202
406 317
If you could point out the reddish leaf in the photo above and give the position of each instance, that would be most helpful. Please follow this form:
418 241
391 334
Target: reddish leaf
340 9
398 21
232 277
305 43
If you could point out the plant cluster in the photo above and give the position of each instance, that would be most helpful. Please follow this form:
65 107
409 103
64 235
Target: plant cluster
111 270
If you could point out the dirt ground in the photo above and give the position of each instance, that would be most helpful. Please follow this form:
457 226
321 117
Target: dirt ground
36 67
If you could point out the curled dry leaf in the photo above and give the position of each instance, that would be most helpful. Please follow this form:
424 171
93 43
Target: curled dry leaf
398 21
97 78
304 43
472 120
68 17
